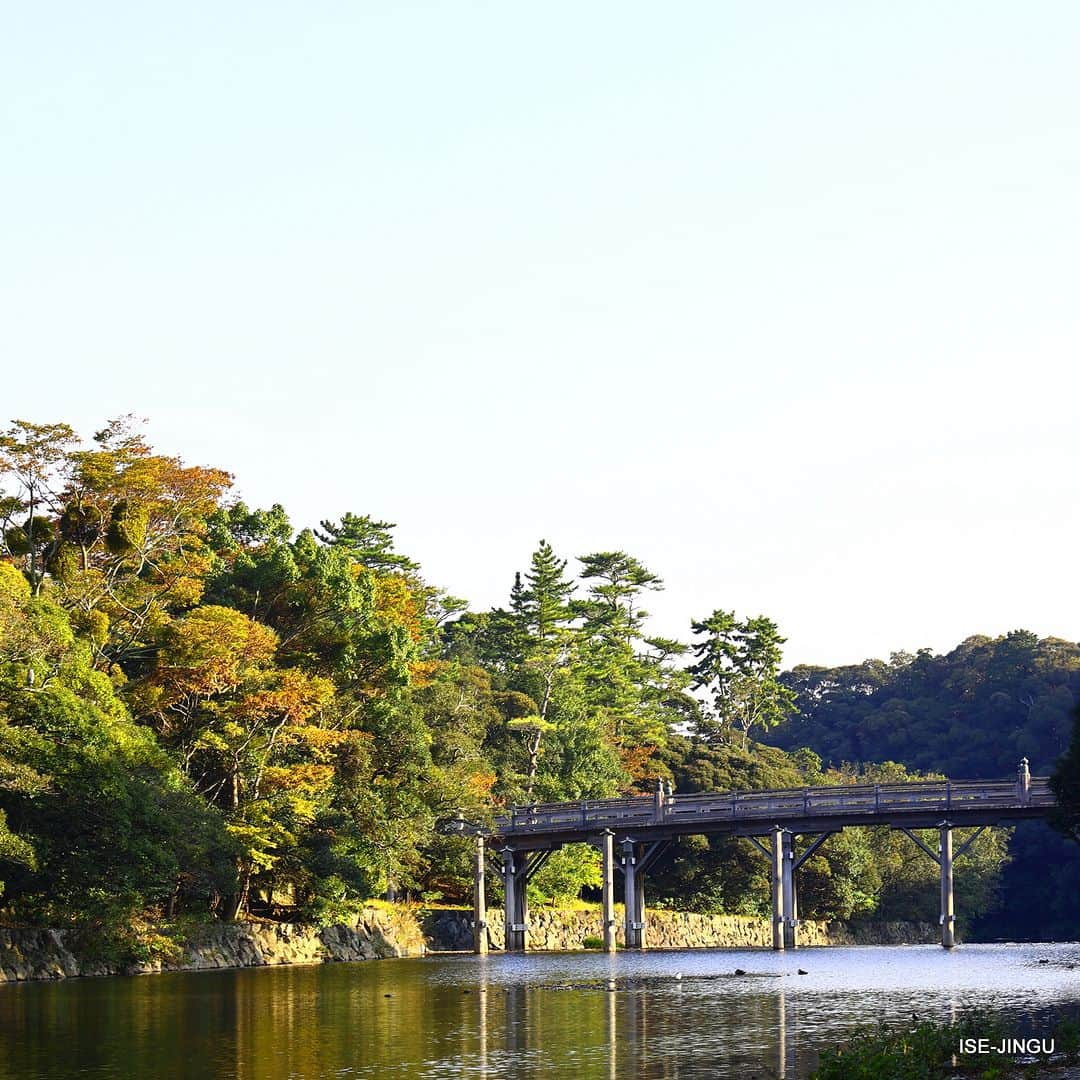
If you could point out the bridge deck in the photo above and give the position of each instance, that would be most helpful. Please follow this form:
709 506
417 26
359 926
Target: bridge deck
755 813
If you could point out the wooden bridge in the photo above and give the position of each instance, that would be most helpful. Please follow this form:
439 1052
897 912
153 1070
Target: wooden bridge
640 830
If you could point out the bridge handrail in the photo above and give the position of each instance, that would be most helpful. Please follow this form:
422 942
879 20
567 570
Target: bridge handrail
733 805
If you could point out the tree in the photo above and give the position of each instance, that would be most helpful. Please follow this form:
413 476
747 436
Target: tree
739 663
246 733
100 822
115 529
1065 784
36 457
367 542
628 678
543 604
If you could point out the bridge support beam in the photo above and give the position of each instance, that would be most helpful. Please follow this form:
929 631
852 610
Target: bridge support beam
518 867
516 906
788 888
607 852
776 867
945 859
634 897
637 858
480 934
783 863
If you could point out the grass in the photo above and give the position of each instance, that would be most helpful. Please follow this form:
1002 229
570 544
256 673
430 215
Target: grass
925 1050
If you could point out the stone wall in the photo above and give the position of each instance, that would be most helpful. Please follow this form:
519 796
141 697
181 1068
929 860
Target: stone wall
559 931
47 954
381 932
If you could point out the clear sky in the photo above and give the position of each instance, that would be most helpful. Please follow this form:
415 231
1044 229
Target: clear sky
781 298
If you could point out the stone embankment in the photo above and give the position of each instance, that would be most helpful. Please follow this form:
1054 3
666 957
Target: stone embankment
560 931
379 932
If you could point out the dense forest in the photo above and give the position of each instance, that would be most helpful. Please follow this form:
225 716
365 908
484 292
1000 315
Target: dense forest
207 713
973 712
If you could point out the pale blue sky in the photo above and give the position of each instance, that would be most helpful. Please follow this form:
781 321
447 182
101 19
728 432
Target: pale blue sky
781 298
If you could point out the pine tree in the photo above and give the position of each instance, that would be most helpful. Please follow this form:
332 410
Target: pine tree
739 663
544 603
367 542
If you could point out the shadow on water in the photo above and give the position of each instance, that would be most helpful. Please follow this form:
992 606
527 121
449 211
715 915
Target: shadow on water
674 1014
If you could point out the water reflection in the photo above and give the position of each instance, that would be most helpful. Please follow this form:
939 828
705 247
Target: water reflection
679 1015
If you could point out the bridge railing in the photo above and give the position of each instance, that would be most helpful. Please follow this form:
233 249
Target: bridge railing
930 795
587 812
1040 788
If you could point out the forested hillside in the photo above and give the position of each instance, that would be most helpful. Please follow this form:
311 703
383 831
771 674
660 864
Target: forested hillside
973 712
206 712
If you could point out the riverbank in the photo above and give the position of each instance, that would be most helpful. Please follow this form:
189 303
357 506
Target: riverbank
558 930
383 932
378 933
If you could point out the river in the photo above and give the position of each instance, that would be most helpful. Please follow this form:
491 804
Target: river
682 1014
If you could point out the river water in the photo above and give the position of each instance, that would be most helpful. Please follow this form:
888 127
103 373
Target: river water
682 1014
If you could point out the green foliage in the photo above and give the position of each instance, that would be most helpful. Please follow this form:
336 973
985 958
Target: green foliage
543 605
1065 784
857 873
367 542
566 873
719 875
928 1050
206 713
739 664
970 713
115 819
628 679
127 527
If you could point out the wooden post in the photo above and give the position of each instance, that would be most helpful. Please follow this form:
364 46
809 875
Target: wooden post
777 867
639 905
523 900
788 890
509 899
794 904
948 918
631 895
1023 782
480 934
607 849
516 914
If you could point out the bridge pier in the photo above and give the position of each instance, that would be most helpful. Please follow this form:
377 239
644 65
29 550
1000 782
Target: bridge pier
788 890
776 867
480 935
607 853
782 867
945 857
516 900
637 858
945 860
517 869
634 897
783 862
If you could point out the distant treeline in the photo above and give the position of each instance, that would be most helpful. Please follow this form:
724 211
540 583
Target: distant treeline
973 712
206 713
